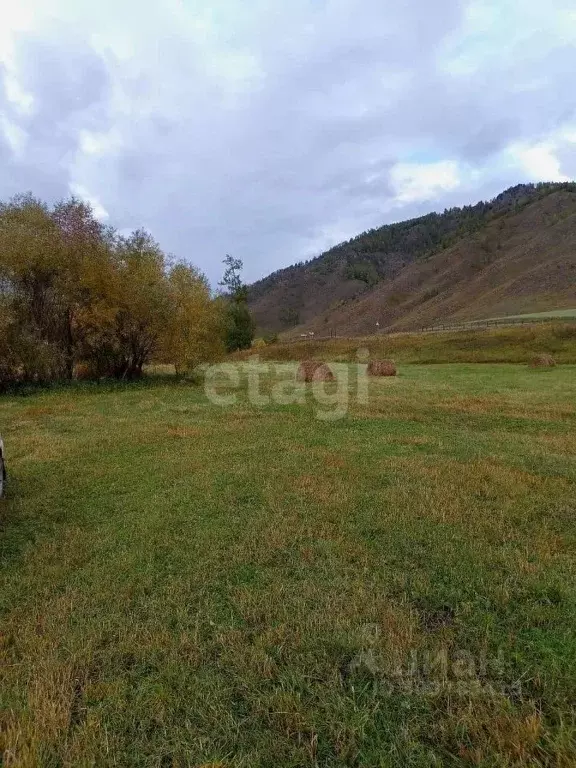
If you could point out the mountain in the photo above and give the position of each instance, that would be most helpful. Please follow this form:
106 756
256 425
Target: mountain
513 254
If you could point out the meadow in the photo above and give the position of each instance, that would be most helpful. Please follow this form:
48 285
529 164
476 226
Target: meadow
187 584
494 345
554 314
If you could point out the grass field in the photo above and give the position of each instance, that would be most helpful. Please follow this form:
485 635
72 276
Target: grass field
183 584
553 314
496 345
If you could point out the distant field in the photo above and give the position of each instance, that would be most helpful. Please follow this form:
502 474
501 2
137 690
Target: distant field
494 345
552 315
183 584
557 313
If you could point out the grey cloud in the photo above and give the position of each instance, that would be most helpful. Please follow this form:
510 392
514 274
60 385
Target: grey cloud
69 87
567 158
489 138
65 80
304 150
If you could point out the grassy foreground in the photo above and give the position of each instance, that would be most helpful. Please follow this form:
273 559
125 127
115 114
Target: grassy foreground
183 584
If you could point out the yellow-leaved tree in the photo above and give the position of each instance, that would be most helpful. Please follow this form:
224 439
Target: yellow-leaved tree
75 295
194 331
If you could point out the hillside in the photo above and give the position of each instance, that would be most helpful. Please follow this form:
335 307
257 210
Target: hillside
513 254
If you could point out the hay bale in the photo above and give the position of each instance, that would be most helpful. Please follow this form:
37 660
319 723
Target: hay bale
382 368
314 370
542 361
323 373
306 370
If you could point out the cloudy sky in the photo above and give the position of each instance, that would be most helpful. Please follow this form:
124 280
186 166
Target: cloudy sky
271 129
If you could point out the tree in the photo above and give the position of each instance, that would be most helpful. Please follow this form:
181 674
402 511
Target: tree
232 280
83 252
239 326
194 330
238 322
30 269
74 295
141 299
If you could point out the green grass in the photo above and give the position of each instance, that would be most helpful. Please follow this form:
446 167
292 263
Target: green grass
496 345
187 585
553 314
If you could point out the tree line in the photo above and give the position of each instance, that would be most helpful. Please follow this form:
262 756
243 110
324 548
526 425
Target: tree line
78 299
375 254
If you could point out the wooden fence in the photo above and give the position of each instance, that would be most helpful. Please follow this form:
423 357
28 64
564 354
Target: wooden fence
498 323
464 326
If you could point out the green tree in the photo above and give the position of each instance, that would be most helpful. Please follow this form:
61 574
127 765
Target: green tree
239 326
232 279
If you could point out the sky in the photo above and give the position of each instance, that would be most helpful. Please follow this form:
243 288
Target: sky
272 130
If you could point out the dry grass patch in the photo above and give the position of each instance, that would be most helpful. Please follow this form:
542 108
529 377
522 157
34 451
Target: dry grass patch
185 433
321 489
335 460
42 446
495 478
51 726
562 444
449 490
489 731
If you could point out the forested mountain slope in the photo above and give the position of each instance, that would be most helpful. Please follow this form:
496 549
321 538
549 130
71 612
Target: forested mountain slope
512 254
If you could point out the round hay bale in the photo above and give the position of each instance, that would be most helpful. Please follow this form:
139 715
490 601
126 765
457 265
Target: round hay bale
323 373
314 370
382 368
306 370
542 361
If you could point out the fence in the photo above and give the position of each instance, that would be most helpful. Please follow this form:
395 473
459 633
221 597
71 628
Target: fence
497 323
464 326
